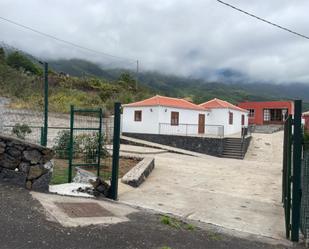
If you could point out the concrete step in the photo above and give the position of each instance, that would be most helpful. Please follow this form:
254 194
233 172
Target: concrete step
232 156
231 153
232 146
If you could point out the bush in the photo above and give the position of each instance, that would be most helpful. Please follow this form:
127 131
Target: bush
89 147
18 60
62 144
21 130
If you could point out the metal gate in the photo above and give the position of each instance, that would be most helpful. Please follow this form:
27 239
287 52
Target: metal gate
291 173
94 134
92 157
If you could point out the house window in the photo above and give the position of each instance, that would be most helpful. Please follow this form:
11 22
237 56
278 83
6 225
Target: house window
138 116
242 119
266 115
174 118
251 113
230 118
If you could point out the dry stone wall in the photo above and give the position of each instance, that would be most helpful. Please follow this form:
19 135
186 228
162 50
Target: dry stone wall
25 164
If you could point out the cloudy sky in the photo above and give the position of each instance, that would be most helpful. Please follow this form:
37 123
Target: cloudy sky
174 36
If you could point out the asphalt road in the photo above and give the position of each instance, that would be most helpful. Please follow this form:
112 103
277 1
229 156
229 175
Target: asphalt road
23 226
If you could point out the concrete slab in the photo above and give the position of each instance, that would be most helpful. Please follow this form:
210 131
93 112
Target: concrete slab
69 189
52 204
244 195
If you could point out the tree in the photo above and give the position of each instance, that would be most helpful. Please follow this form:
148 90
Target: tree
18 60
127 80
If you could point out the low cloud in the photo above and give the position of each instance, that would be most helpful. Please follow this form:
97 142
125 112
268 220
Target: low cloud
180 37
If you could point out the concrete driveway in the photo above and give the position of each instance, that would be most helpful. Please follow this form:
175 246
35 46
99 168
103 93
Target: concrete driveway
243 195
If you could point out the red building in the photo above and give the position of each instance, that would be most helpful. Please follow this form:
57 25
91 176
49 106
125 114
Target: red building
306 118
269 112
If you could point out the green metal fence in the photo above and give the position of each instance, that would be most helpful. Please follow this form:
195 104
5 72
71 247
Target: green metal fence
291 173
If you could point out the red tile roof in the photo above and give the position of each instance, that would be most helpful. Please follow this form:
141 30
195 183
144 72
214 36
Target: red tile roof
166 101
218 103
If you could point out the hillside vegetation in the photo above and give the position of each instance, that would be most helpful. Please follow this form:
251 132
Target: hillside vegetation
21 80
86 84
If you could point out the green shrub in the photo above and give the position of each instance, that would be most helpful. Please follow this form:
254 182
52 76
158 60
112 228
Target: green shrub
21 130
89 146
18 60
62 145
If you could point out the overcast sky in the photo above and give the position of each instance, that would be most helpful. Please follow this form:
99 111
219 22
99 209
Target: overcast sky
173 36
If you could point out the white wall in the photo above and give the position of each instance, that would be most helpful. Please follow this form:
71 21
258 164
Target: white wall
220 116
153 116
186 116
151 120
149 123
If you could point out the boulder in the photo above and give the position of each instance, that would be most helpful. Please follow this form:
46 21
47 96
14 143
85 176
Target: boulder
9 162
32 156
24 167
42 184
14 152
35 172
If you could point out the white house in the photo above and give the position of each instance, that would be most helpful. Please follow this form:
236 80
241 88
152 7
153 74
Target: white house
164 115
232 117
172 116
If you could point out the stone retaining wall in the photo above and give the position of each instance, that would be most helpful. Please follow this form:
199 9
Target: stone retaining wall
25 164
205 145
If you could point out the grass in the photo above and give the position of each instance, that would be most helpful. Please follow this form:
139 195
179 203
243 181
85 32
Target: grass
60 173
214 236
166 247
176 223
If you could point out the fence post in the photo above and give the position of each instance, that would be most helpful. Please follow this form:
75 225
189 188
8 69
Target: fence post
71 144
297 151
116 147
42 136
44 143
100 142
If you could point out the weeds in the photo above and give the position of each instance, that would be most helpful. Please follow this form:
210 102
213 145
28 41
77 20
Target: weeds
175 223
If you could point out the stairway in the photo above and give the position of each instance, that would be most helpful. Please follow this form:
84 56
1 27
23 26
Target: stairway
233 149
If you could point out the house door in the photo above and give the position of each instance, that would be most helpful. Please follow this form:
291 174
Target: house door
201 123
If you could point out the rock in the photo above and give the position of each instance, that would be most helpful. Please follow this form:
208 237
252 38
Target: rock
24 167
100 187
42 184
2 149
13 177
49 166
2 144
83 176
14 152
35 172
28 185
9 162
33 156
